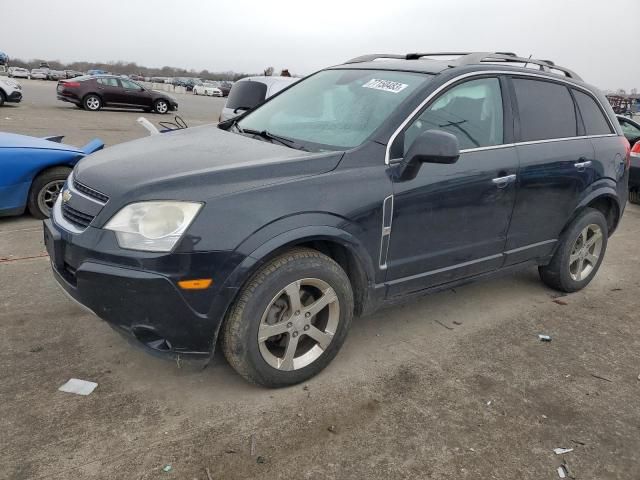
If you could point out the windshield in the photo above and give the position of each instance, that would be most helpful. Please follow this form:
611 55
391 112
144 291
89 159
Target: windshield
336 109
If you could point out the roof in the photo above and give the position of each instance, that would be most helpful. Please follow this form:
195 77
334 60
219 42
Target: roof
434 63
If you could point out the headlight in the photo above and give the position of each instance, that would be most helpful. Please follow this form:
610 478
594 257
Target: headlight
152 226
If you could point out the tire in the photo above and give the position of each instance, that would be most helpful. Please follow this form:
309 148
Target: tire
49 181
79 105
92 102
161 106
263 304
194 92
634 196
574 264
2 98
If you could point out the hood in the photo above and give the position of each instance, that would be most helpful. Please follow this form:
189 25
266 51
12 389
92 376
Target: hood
13 140
195 163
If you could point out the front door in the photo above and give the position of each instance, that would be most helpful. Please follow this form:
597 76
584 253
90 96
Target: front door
451 221
134 95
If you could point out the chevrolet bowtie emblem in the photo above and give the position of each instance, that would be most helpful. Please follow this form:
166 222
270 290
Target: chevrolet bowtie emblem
66 196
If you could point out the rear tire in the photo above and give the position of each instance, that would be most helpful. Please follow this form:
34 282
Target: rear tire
92 102
44 191
579 253
2 98
634 196
289 320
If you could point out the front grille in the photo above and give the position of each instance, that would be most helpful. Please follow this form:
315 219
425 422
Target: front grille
76 217
90 192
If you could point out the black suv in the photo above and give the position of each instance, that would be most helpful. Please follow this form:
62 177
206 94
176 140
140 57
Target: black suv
385 177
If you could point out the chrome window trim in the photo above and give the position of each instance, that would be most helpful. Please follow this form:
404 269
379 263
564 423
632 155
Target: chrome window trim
386 232
416 111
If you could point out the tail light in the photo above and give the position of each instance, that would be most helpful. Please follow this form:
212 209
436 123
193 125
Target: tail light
71 84
635 151
628 152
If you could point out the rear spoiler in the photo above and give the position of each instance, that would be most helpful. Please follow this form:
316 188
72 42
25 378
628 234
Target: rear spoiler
93 146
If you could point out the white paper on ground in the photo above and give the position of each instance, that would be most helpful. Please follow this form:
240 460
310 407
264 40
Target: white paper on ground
79 387
561 451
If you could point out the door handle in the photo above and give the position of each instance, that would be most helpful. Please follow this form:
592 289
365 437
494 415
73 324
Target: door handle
502 182
582 165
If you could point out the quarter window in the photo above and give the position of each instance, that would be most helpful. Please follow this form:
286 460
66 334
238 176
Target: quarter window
594 121
471 111
546 110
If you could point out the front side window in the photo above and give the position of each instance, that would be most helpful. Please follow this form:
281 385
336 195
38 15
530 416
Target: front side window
128 84
546 110
335 109
472 111
594 120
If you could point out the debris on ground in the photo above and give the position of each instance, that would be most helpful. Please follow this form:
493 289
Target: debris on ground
36 349
560 302
332 429
252 448
544 338
562 471
260 459
209 477
562 451
616 289
230 450
455 322
601 378
442 324
578 442
489 403
167 468
79 387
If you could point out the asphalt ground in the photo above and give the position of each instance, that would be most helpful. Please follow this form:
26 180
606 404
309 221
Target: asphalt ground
455 385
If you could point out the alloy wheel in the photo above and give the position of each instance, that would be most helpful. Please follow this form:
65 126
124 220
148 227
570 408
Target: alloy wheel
93 103
162 107
586 252
299 324
48 194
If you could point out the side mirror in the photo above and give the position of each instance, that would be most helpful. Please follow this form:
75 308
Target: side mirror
432 146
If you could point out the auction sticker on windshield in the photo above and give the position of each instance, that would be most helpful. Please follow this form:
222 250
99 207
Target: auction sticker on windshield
385 85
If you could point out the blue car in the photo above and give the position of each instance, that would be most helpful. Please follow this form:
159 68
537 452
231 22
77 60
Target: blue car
33 171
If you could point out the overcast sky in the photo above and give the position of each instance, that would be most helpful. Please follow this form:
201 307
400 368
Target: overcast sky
596 38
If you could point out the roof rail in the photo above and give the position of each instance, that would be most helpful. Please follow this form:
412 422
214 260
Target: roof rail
474 58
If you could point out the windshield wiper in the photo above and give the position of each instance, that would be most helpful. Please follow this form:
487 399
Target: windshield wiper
287 142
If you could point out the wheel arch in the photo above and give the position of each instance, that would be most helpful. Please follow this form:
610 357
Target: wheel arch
93 93
606 201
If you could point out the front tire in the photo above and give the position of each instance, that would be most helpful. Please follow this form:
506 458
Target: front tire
290 319
579 254
161 106
92 102
45 190
2 98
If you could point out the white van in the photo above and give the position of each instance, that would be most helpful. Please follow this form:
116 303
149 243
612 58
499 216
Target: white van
249 92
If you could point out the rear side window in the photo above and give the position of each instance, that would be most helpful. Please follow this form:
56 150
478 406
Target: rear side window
594 120
546 110
246 95
110 82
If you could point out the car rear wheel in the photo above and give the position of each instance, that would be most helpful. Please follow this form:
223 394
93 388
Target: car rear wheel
161 106
45 190
290 320
634 196
579 254
92 103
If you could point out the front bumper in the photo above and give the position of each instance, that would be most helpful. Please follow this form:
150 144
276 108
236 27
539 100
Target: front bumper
146 306
15 97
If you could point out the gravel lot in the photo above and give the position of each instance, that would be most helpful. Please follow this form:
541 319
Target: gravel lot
455 385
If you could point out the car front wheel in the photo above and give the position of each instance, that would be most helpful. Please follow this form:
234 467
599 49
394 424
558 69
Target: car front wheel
290 320
161 106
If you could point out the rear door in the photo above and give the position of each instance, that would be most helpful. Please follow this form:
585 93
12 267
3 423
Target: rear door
110 90
556 166
451 221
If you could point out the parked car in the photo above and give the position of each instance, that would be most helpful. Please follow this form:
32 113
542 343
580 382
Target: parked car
17 72
38 74
94 92
631 130
56 75
72 74
97 72
207 89
249 92
10 91
364 183
34 170
4 71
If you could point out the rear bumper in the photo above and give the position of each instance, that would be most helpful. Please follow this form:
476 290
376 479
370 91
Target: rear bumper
68 99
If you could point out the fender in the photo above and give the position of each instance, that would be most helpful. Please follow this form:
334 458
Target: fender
232 285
